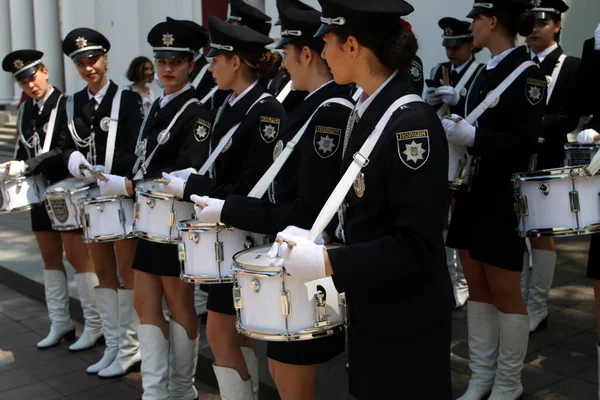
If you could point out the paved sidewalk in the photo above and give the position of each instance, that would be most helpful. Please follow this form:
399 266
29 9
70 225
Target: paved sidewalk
561 362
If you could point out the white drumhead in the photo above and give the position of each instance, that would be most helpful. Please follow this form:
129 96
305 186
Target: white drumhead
71 184
256 258
150 186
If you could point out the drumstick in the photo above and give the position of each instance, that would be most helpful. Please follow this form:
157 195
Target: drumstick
280 240
163 181
95 174
446 80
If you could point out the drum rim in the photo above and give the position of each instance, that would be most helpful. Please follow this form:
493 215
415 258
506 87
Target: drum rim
552 173
154 238
108 238
238 266
21 178
139 189
74 190
193 224
103 199
205 279
305 334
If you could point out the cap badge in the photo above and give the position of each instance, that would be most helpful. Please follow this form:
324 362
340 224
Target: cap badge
168 39
18 64
536 3
81 42
448 32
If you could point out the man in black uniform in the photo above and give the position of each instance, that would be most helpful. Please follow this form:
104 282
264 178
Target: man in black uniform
557 123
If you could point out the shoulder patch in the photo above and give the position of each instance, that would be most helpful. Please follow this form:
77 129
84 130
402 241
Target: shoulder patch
269 128
415 72
201 130
326 140
534 90
413 148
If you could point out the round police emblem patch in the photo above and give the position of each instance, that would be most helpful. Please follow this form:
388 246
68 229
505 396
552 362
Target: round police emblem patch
278 149
105 124
359 185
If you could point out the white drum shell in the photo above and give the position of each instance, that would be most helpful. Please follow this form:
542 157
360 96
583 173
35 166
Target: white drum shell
457 162
102 218
62 202
588 189
21 193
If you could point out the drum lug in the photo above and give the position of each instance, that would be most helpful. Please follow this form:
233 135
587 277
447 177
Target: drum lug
321 308
181 251
150 203
219 251
85 220
574 200
194 237
254 285
523 206
286 303
343 306
136 211
122 218
100 207
544 188
171 218
237 298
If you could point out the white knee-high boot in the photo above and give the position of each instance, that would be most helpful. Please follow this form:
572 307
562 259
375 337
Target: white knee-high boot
183 357
231 385
108 305
154 349
252 364
92 332
540 282
459 283
57 300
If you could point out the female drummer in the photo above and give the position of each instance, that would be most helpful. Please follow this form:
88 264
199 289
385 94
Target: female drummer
239 61
484 224
393 264
88 143
35 126
169 352
303 185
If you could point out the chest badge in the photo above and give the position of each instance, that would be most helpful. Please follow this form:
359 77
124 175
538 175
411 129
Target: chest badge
105 124
359 185
278 149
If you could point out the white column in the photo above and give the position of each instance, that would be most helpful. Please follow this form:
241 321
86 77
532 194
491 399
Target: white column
6 80
21 22
48 40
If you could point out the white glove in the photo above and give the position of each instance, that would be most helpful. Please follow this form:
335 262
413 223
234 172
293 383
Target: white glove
460 132
597 38
586 136
448 94
15 168
293 231
212 212
175 186
305 260
183 173
75 160
98 168
114 186
431 97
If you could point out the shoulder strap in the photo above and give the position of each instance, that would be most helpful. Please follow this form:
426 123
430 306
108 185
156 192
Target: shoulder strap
495 94
209 95
357 94
465 78
51 123
20 131
361 159
555 74
200 75
112 131
284 92
223 142
265 181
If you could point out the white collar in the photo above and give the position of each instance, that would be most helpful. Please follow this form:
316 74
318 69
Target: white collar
460 68
544 53
493 63
364 101
40 103
100 95
234 99
165 99
317 89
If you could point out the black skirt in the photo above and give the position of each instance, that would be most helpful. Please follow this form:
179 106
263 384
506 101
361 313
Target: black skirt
220 299
593 267
307 352
40 221
157 258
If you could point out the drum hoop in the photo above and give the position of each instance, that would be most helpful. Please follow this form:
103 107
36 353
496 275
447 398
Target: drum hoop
19 178
546 174
50 192
155 195
103 199
305 334
154 238
193 225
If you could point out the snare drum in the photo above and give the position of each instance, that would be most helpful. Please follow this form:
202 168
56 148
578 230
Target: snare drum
459 166
106 218
61 202
157 213
557 202
274 306
579 154
206 251
21 193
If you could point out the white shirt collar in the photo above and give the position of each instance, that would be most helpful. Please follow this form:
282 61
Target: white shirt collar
493 62
165 99
100 95
40 103
460 68
317 89
364 101
234 99
544 53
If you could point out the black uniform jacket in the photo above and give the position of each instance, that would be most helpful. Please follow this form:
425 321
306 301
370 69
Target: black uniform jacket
308 177
276 85
557 122
459 108
131 114
250 154
188 139
206 83
395 263
50 163
587 83
415 73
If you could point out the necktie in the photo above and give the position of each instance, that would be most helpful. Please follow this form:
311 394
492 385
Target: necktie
92 103
536 60
36 110
453 78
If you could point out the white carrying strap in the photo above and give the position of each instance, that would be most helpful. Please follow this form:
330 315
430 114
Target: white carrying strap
20 132
223 142
200 75
265 181
360 160
141 167
554 77
495 94
112 131
51 123
461 84
357 94
209 95
284 93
